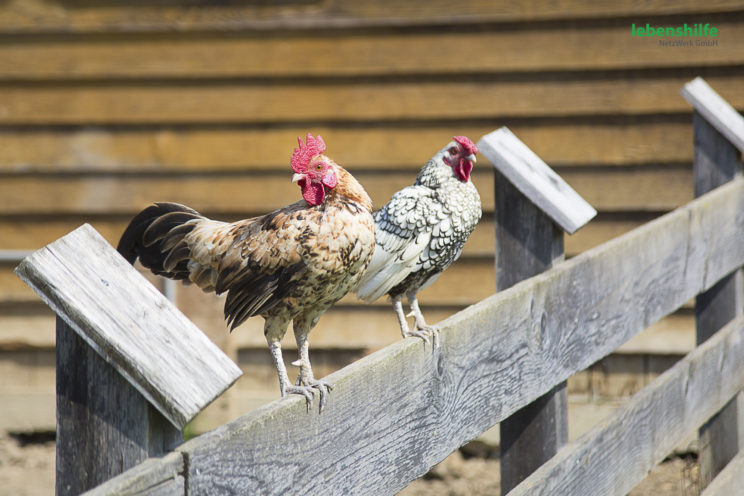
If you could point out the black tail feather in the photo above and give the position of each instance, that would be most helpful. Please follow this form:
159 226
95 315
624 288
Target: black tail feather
150 230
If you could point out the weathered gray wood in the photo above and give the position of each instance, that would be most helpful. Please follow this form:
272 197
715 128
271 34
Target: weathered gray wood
104 425
729 481
527 243
617 454
399 411
716 162
154 477
716 111
130 324
538 182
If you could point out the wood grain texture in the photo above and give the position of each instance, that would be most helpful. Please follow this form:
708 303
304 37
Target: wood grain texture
55 16
615 189
176 149
126 320
716 111
536 180
104 425
729 481
716 161
319 54
154 477
339 101
33 233
617 454
528 243
496 356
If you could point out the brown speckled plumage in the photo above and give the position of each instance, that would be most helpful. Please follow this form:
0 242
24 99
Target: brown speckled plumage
289 265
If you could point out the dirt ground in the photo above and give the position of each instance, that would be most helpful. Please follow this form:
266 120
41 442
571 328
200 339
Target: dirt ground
460 476
26 466
27 469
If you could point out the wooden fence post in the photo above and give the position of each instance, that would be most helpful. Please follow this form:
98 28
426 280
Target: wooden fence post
533 207
718 129
131 369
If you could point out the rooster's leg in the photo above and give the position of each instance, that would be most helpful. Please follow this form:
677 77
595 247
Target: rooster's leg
404 330
284 385
419 322
306 376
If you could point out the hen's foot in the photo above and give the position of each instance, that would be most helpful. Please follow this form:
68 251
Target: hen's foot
423 334
429 331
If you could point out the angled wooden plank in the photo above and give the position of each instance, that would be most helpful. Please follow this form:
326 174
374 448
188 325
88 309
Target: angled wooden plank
154 477
496 356
129 323
617 454
730 480
536 180
717 111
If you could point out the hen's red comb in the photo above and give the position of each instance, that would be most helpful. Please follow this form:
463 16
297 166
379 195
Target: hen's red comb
302 155
467 144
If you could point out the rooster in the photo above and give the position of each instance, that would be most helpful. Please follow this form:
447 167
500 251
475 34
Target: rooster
287 266
421 231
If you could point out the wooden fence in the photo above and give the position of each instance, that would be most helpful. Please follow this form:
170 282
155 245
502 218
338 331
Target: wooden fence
108 107
394 414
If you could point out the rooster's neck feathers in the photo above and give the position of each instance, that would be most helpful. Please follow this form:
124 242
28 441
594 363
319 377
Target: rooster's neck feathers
349 188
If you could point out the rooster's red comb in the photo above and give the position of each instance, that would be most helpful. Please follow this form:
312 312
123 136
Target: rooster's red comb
467 144
302 155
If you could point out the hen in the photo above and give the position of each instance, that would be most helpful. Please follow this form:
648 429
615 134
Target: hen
421 231
289 265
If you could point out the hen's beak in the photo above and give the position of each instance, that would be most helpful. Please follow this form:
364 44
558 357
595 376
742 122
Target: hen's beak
297 177
471 157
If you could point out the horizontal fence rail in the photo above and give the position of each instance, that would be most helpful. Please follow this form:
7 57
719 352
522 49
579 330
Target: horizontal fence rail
397 412
616 455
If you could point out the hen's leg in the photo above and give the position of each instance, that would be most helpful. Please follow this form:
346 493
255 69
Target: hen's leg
285 386
306 376
404 330
419 322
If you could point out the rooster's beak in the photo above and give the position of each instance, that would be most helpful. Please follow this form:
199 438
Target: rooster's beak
471 157
297 177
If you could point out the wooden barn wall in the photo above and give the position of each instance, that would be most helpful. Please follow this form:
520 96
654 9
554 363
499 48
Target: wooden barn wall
105 107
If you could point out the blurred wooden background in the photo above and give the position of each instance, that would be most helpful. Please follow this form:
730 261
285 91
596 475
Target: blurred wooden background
106 107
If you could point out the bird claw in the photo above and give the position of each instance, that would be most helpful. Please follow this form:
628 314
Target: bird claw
427 330
305 391
323 388
423 334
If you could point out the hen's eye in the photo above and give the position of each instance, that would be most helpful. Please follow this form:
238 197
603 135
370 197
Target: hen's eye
318 166
453 150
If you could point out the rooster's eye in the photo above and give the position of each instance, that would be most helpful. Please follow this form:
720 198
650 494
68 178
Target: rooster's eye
318 166
453 150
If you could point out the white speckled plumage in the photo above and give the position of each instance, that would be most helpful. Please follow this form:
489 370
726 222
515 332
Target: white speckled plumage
421 231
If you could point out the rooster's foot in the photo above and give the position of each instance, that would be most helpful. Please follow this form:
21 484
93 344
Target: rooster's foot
305 391
323 389
311 384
